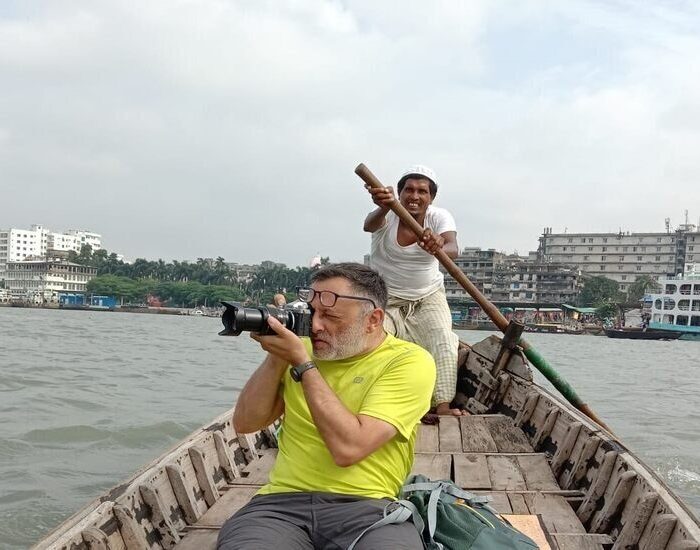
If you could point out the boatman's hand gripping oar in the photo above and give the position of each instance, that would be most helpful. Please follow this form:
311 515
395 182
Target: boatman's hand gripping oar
380 197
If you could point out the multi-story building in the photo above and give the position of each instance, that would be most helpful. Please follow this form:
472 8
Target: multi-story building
39 242
513 279
18 244
623 256
535 282
243 273
83 236
478 265
40 281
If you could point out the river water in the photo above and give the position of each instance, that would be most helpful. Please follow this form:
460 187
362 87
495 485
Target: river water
88 397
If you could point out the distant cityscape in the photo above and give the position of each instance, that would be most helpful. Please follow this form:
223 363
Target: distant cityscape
35 264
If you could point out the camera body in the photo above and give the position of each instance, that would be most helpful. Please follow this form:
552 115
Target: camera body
238 318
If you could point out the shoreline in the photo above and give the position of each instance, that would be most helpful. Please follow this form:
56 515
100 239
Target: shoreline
190 312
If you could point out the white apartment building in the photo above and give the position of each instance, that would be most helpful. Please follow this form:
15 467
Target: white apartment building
40 281
20 244
623 256
83 236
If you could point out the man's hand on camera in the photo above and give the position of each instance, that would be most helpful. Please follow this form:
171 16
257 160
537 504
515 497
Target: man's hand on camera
284 344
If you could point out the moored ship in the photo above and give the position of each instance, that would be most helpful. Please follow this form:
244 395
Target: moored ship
676 309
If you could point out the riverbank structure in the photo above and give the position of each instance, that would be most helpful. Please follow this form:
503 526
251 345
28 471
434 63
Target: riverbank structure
38 242
40 281
624 256
509 278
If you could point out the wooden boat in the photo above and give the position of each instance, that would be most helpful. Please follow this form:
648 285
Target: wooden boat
638 333
523 446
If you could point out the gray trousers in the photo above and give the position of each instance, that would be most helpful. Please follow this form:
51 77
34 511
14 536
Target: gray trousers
314 521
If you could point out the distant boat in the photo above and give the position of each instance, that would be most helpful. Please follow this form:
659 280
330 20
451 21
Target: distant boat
639 333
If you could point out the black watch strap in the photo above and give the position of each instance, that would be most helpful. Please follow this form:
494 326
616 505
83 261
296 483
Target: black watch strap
299 370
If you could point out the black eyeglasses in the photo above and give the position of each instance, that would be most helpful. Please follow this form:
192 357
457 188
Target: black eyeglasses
326 297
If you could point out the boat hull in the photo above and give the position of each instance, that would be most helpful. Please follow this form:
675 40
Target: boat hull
640 334
531 452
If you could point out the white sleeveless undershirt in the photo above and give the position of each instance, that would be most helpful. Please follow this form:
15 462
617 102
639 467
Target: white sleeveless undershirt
410 272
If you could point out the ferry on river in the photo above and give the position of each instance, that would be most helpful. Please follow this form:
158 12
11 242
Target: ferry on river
676 309
532 453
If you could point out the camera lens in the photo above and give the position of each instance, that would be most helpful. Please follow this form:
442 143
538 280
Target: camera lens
237 319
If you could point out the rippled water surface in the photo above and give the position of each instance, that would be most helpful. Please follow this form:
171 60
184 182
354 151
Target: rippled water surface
88 397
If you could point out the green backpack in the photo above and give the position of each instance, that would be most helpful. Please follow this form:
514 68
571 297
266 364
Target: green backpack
449 518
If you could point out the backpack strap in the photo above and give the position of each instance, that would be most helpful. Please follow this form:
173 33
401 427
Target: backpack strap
436 488
449 488
398 511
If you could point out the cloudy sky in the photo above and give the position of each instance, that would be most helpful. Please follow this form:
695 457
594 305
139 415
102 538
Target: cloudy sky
186 128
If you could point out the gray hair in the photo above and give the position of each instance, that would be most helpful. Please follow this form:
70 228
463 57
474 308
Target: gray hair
362 278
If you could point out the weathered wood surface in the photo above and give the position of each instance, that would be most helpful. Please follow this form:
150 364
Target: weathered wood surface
450 435
472 471
433 465
491 433
233 500
500 502
576 542
476 436
518 504
557 514
537 472
508 438
427 439
200 539
505 473
257 472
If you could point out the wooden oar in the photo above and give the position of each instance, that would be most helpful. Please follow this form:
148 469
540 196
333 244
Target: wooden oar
492 311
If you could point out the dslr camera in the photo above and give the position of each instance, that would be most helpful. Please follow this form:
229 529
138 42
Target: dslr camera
237 318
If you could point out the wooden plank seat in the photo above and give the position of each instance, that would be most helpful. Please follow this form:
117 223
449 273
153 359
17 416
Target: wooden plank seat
198 539
491 433
233 499
486 454
257 471
504 472
479 433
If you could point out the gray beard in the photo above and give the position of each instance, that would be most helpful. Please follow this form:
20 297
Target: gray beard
348 344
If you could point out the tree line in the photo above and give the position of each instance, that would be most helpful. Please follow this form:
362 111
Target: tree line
605 295
186 284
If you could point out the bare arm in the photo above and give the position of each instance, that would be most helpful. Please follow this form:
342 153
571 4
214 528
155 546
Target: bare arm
349 437
383 198
375 220
450 245
260 404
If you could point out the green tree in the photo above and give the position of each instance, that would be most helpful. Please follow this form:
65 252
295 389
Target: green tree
606 311
641 286
598 291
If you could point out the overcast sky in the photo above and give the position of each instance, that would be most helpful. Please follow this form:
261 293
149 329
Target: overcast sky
180 129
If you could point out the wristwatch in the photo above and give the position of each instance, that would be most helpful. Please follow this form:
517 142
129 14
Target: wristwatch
299 370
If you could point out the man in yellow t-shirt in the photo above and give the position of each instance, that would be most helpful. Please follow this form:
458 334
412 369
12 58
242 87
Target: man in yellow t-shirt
352 401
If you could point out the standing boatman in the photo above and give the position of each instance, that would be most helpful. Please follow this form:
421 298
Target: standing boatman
417 309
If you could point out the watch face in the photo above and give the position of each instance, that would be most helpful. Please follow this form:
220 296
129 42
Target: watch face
297 372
